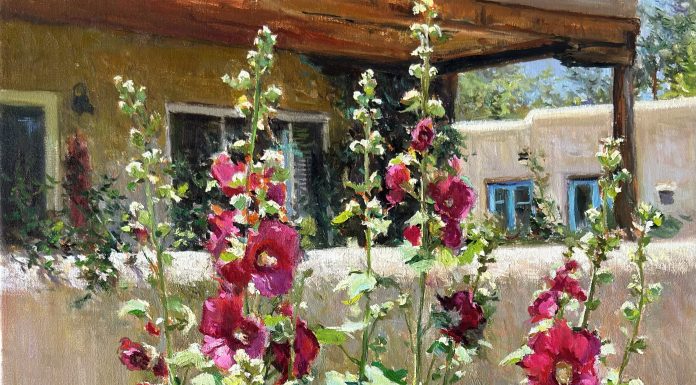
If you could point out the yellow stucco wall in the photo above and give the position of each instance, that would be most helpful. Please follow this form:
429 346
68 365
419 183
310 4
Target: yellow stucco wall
54 58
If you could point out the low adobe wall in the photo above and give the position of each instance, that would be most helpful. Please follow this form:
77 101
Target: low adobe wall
46 341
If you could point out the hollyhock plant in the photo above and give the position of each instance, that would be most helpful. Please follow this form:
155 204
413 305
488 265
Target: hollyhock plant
413 235
545 306
397 176
225 330
444 203
465 316
78 178
562 356
256 249
367 210
133 355
270 259
422 135
556 352
453 197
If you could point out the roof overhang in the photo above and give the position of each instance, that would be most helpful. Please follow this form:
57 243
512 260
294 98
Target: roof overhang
375 32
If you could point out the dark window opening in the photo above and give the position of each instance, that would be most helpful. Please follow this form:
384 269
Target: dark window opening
583 194
512 201
22 153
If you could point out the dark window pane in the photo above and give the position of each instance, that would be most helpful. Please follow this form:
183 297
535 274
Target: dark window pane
500 194
308 163
22 153
194 138
235 129
522 194
523 214
583 201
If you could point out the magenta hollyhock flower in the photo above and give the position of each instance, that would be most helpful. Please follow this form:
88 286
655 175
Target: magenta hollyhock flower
422 136
397 175
270 259
225 330
226 173
160 368
457 165
306 348
562 356
151 329
453 198
133 355
452 234
564 282
413 235
276 193
221 226
466 317
141 233
544 306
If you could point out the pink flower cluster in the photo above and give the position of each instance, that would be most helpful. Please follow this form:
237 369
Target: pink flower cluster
271 255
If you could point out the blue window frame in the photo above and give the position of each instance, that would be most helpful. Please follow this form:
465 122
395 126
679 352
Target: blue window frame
513 201
582 195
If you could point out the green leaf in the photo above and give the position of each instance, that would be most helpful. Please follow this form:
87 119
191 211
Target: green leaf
630 311
592 305
191 357
605 277
207 379
342 217
516 356
472 251
356 284
273 320
135 307
330 336
396 376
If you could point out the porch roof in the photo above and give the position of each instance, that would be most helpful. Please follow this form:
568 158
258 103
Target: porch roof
375 32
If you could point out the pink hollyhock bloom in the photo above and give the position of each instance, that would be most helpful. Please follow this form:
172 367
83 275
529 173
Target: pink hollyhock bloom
133 355
457 165
562 356
422 136
453 198
270 259
563 282
225 172
306 348
413 235
221 226
160 368
545 306
397 175
466 317
225 330
276 193
452 234
151 329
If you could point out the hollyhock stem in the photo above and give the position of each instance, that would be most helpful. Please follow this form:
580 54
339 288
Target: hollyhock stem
636 325
590 298
162 287
448 363
364 353
421 283
596 264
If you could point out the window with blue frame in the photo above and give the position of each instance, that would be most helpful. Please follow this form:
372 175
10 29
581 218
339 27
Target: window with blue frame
583 194
513 202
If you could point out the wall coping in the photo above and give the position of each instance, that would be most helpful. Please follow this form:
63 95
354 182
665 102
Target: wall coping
520 261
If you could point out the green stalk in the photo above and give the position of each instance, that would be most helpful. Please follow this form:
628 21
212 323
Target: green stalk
255 117
364 353
596 262
162 287
448 363
418 353
636 325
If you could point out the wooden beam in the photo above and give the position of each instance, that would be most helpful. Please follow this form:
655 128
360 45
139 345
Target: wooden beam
373 31
624 127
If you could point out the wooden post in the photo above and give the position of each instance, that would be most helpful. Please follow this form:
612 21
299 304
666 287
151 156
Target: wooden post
445 86
624 127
